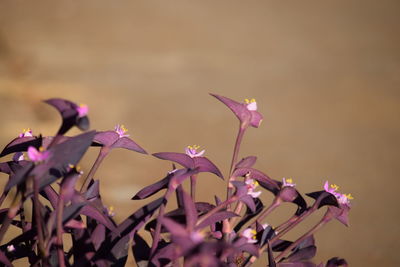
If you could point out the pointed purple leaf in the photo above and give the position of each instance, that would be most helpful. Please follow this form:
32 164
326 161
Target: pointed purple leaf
4 259
127 143
94 213
239 109
106 138
303 254
263 179
190 211
205 165
271 260
250 214
179 158
335 262
249 202
323 198
174 228
141 250
152 189
69 113
246 162
21 144
341 214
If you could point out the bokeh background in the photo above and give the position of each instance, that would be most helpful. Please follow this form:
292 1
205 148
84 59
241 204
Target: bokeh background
325 74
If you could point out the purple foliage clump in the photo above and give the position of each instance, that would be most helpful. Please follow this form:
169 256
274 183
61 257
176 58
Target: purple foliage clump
233 231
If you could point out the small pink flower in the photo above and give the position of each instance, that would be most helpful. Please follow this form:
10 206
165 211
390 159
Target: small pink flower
250 235
10 248
251 104
82 110
251 185
26 133
196 236
288 182
343 199
121 131
37 155
191 151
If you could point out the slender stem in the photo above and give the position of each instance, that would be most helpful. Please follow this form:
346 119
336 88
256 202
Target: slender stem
286 223
216 209
179 195
102 154
59 241
276 203
156 236
193 180
238 209
38 219
234 159
12 212
327 217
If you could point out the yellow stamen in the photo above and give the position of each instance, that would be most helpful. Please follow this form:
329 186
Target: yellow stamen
110 210
41 149
71 166
334 186
348 196
255 183
289 181
247 101
123 128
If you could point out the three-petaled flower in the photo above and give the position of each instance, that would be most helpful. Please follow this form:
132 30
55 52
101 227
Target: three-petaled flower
343 199
82 110
250 235
251 184
26 133
37 155
251 104
191 151
288 182
121 130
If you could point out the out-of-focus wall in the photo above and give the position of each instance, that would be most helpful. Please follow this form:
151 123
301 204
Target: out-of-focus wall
326 76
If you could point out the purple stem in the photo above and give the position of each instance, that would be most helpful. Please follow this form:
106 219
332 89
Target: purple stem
38 219
327 217
234 159
102 154
193 180
59 241
156 236
12 212
216 209
276 203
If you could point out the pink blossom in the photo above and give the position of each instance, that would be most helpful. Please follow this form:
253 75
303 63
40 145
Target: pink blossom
37 155
82 110
343 199
251 104
250 235
288 182
251 185
10 248
121 131
191 151
26 133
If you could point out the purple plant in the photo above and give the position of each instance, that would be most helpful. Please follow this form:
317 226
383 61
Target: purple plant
233 231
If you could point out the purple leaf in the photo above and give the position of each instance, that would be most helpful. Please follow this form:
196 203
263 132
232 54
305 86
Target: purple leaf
19 176
250 214
4 259
341 214
249 202
98 236
190 211
69 112
21 144
263 179
152 189
323 198
205 165
174 228
246 162
106 138
179 158
303 254
217 217
246 116
141 250
93 212
127 143
334 262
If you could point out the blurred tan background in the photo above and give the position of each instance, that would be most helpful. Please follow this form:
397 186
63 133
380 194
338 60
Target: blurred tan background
325 75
